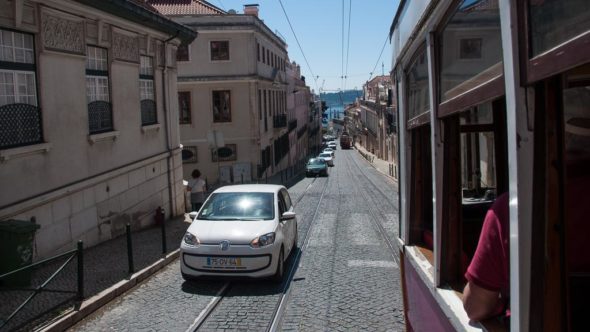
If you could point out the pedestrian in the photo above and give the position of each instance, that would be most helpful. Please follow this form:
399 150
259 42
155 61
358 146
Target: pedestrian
197 187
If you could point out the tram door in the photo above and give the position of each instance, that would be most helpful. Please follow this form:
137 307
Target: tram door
561 219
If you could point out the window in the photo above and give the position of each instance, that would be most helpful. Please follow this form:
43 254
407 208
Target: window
470 48
259 105
226 153
189 154
553 22
184 107
220 50
146 91
100 117
20 117
418 91
222 106
258 51
265 112
182 53
263 54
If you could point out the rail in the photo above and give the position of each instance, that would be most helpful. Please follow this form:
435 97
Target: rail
78 252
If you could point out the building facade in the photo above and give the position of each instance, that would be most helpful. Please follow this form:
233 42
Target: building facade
88 141
232 92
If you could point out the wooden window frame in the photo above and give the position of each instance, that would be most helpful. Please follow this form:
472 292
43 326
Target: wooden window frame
221 120
180 119
423 118
216 57
567 55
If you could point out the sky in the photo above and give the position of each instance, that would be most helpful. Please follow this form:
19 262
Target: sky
328 51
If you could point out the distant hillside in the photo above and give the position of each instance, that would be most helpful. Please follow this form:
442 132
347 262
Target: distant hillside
340 98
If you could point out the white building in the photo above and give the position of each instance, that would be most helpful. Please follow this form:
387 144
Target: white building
88 136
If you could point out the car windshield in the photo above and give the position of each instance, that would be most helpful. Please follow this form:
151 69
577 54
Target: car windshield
315 162
325 155
238 206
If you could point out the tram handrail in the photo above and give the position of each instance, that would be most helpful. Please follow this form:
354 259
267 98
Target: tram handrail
78 252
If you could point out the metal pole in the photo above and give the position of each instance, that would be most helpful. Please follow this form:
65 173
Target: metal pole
80 254
164 233
129 250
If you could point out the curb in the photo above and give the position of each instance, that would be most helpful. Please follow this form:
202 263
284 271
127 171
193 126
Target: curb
373 165
88 306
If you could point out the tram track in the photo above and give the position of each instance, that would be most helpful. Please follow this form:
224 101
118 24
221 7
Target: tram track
374 217
284 290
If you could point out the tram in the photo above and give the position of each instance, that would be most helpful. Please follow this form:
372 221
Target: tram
494 115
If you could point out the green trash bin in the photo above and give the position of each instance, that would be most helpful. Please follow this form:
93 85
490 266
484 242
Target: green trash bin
16 250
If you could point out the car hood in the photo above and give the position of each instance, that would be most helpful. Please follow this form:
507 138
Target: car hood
235 231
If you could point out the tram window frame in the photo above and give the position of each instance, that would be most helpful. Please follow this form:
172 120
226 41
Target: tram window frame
554 61
424 117
453 231
487 91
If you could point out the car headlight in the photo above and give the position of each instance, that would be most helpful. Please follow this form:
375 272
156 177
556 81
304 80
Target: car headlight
191 240
263 240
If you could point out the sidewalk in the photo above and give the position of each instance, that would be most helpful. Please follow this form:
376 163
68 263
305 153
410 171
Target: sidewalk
105 277
385 167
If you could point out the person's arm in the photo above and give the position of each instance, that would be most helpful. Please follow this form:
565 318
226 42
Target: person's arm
480 303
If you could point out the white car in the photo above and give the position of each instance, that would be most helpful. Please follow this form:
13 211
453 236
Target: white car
332 145
327 156
241 231
330 151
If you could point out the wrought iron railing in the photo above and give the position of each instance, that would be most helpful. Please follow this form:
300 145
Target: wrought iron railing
20 124
280 121
148 112
100 117
292 125
302 131
69 255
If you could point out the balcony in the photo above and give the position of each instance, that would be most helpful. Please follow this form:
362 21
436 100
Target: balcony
292 125
280 121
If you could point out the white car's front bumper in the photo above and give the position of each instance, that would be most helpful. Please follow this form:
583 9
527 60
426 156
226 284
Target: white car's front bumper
236 261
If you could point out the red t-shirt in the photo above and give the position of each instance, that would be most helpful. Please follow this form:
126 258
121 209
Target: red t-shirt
490 263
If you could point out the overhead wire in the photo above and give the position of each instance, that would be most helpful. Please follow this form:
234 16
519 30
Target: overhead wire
348 42
380 54
342 50
299 44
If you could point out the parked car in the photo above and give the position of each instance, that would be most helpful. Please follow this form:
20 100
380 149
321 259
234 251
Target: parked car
330 151
316 166
327 157
332 145
242 231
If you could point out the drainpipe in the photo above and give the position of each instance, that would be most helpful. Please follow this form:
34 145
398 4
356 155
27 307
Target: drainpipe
167 123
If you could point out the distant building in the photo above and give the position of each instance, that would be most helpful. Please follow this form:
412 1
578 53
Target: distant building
88 133
232 86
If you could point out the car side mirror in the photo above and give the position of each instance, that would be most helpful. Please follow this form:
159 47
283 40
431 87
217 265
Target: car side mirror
288 215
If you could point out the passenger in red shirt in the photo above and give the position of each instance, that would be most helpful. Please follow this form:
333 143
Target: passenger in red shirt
488 284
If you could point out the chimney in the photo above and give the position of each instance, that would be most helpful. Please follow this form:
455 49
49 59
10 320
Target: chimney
251 9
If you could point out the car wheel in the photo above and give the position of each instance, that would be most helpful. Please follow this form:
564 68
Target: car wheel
278 276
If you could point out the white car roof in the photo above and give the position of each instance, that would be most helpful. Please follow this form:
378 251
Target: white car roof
259 188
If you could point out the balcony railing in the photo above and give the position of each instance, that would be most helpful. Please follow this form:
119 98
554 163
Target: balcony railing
100 117
292 125
20 124
148 112
280 121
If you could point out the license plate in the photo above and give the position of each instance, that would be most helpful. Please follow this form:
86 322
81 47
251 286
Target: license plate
224 262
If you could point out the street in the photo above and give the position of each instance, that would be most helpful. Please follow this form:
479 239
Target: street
346 278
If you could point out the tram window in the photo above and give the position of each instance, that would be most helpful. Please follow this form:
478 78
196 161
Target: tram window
554 22
418 91
421 190
470 48
475 173
576 120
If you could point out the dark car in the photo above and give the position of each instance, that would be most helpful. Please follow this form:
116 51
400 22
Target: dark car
316 166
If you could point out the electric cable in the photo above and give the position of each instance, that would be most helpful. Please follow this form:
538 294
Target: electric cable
380 54
298 44
348 43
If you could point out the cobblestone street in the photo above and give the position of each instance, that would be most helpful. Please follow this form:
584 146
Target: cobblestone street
347 279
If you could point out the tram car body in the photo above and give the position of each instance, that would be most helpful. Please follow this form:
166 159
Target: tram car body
493 114
345 141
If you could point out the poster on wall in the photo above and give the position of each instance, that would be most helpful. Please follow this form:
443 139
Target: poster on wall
242 172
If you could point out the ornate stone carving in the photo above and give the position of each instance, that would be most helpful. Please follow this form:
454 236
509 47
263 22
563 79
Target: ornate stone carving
125 47
62 34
